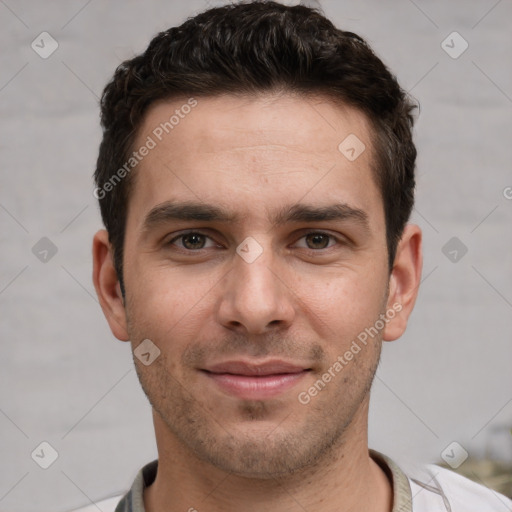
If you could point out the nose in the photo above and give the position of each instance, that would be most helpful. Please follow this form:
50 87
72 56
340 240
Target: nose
255 296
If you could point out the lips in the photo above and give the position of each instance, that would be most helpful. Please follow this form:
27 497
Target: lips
255 381
250 370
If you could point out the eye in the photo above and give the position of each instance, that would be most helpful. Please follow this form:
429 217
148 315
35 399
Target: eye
192 241
317 240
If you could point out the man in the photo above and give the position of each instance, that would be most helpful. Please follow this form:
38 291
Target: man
255 178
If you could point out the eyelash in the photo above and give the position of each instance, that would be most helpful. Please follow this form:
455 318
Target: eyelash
195 232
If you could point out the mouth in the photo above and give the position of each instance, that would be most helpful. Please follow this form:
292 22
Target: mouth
251 381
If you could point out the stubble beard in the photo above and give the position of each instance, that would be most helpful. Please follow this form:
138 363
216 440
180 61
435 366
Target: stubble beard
286 448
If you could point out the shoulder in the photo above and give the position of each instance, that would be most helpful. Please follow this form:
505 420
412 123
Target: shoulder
437 488
133 499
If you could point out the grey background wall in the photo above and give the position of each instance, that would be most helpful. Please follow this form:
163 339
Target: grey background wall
66 381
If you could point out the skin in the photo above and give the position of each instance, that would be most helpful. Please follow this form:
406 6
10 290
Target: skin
303 300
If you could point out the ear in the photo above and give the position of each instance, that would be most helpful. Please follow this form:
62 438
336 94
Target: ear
107 285
404 281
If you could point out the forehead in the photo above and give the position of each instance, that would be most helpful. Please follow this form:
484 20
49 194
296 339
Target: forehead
227 121
253 152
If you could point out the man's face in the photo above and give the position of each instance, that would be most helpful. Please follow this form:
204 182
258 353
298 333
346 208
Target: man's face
242 333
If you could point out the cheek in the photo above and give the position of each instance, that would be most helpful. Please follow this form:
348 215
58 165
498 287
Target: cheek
164 303
346 301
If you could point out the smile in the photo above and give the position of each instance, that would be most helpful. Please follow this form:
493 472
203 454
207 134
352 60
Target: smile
255 382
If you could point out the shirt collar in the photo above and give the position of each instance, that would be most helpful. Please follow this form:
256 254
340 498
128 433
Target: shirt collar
133 501
402 495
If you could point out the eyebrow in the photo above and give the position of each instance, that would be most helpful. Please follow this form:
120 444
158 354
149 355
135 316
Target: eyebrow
308 213
192 211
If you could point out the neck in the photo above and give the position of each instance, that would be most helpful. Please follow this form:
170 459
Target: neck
344 480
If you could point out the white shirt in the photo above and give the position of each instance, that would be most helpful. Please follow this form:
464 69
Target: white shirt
430 489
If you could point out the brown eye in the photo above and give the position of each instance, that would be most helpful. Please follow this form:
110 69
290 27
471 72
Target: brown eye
318 240
192 241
